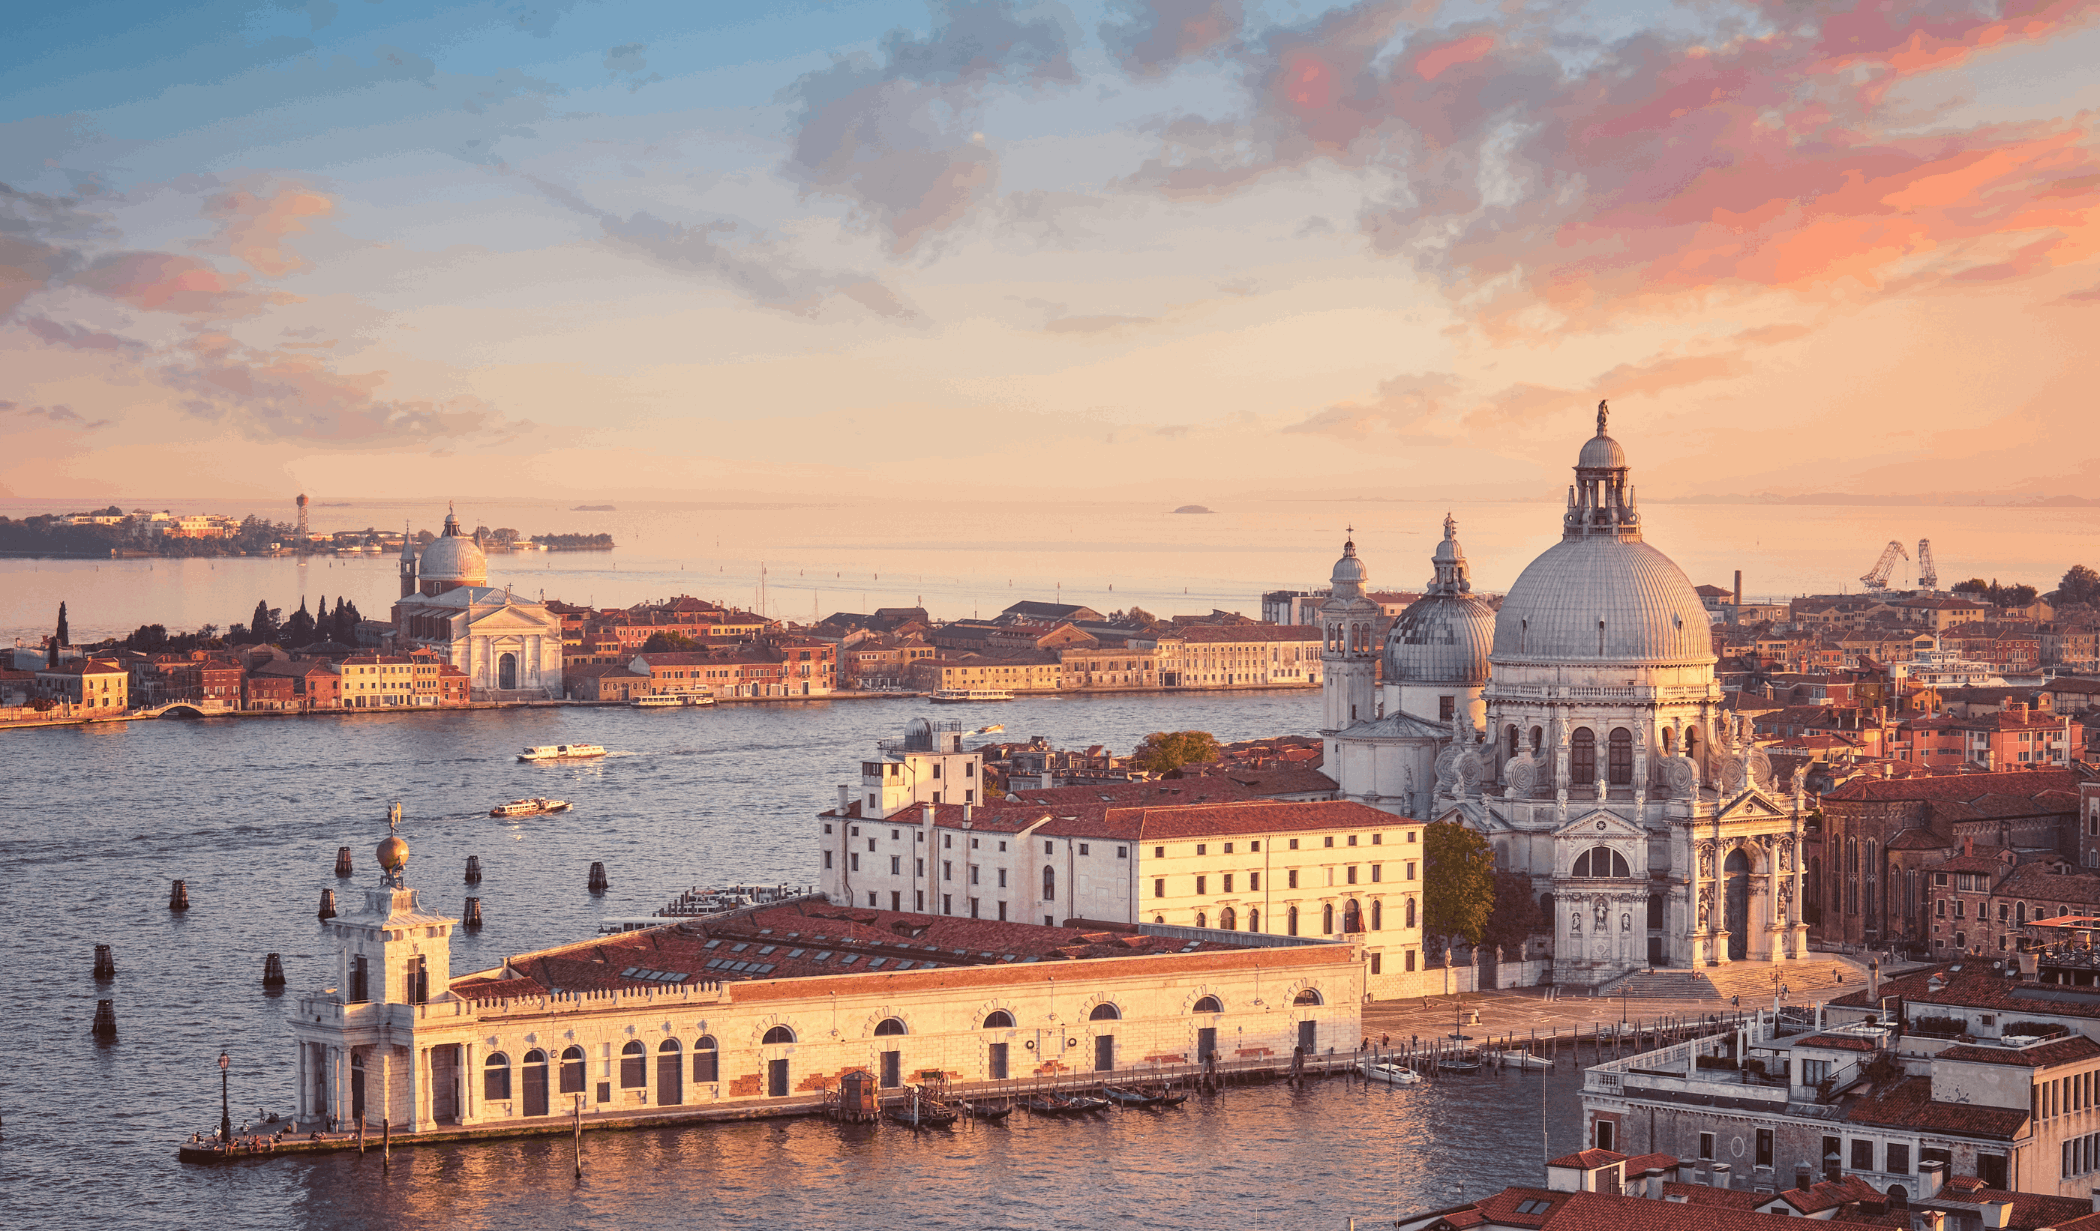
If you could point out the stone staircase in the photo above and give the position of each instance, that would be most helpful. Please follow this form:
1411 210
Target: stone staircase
1821 977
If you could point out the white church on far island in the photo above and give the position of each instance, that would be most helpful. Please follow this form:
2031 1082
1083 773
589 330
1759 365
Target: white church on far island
1580 729
509 647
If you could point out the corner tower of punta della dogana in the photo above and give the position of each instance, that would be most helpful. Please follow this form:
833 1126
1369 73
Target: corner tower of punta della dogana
1581 730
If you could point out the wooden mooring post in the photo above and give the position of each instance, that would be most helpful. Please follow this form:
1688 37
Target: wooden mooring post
105 1028
327 910
599 883
470 918
179 896
273 971
386 1144
579 1136
105 963
343 869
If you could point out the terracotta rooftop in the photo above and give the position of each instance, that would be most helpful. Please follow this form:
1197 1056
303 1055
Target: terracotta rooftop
1909 1104
2061 1051
1559 1211
1962 787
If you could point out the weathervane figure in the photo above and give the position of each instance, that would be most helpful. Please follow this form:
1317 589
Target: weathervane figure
1603 410
393 817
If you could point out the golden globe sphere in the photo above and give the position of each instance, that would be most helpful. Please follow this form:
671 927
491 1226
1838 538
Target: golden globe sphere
393 853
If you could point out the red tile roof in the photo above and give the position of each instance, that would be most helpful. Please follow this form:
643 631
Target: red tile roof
2022 783
2062 1051
2029 1210
1909 1104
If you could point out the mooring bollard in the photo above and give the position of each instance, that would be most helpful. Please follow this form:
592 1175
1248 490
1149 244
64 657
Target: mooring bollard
342 863
473 869
327 910
598 882
471 916
106 1020
105 963
273 971
179 897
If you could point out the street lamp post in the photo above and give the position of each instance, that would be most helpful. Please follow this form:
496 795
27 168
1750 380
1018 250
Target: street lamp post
225 1109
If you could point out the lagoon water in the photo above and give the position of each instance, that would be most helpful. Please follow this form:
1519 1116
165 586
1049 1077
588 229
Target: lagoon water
813 559
250 812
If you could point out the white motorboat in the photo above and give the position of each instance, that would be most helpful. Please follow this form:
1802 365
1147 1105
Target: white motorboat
561 752
1523 1060
530 807
672 700
1388 1072
963 696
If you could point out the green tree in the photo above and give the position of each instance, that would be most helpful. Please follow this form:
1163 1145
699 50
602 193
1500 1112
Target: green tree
1166 751
299 630
2080 585
262 626
2015 596
1516 916
1974 585
670 642
65 635
1458 883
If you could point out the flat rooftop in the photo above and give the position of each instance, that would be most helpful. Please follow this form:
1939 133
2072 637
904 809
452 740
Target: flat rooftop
801 940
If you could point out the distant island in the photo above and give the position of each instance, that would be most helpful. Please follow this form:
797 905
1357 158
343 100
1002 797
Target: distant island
592 508
1194 508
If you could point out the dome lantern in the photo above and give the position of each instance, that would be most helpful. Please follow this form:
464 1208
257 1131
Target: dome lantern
1443 638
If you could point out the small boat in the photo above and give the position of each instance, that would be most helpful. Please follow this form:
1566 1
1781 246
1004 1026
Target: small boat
1463 1066
560 752
919 1111
1051 1105
963 696
1389 1073
988 1111
1523 1060
1124 1096
1085 1103
530 807
672 701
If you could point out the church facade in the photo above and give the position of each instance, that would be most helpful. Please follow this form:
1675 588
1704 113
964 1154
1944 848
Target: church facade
509 647
1580 729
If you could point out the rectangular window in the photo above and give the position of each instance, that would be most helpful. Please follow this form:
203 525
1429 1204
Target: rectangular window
1228 848
1375 962
1200 885
1862 1155
1706 1145
827 859
1228 882
1377 839
1294 844
1352 873
1254 882
418 980
996 1061
853 861
1049 848
360 982
1002 912
918 900
1352 839
1410 959
1159 887
1330 839
1376 870
896 865
1899 1159
1764 1147
918 867
973 908
1293 875
1122 852
947 904
1410 870
1159 852
1202 849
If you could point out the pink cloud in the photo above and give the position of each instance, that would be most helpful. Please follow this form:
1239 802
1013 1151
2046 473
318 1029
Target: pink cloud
1431 64
162 282
254 223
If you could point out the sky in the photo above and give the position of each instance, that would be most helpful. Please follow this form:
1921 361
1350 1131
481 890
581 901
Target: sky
988 249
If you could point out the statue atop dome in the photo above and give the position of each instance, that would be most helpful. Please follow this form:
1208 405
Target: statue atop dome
1603 411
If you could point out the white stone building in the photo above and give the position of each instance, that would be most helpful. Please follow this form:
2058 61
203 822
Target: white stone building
510 648
1593 752
771 1005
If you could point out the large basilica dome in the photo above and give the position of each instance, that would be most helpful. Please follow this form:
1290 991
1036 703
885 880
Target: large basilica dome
452 559
1601 595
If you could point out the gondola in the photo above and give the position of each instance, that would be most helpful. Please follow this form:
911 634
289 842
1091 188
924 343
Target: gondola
988 1111
1123 1096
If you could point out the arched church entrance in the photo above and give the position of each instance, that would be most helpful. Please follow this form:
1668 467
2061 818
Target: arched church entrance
1735 913
507 672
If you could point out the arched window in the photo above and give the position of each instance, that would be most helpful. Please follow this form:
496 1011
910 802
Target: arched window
1307 997
1538 740
706 1059
1105 1012
1691 742
1292 925
1669 742
1209 1004
1049 884
1513 739
634 1066
1352 916
1410 913
535 1083
572 1070
1545 907
1202 920
890 1025
778 1034
670 1066
999 1019
495 1078
1254 918
1229 919
507 672
2020 912
1159 918
1601 861
1620 766
1583 760
1327 919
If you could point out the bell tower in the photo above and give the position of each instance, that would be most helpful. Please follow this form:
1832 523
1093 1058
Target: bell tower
408 562
1348 648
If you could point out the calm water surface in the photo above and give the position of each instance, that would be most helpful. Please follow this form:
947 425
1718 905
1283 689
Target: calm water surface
250 812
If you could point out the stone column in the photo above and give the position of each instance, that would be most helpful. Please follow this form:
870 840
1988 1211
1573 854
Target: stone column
418 1085
341 1065
468 1088
1695 932
384 1054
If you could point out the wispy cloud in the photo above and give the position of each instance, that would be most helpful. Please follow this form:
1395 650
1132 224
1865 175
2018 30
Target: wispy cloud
62 416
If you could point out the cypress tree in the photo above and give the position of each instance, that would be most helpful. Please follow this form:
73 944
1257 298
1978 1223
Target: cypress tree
64 636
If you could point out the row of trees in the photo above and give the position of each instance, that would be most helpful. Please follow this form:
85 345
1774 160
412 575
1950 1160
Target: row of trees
268 626
2080 584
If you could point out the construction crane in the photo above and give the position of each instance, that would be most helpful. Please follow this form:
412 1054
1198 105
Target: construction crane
1928 574
1878 578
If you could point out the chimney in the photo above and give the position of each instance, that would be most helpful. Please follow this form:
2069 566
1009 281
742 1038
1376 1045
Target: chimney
1997 1215
1722 1174
1932 1220
966 816
844 800
2096 1201
1932 1175
1803 1177
1739 587
1968 846
1652 1185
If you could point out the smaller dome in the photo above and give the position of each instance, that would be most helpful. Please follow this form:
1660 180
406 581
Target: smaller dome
454 559
393 853
1349 573
1602 453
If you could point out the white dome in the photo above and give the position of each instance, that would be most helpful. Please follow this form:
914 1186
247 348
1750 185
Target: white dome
1603 599
1349 573
455 559
1444 636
